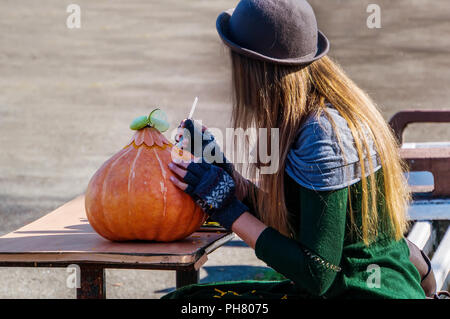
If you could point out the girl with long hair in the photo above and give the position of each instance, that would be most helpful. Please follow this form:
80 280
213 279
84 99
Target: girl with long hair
332 218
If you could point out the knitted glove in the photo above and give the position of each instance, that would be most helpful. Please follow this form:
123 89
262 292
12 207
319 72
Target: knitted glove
208 150
213 189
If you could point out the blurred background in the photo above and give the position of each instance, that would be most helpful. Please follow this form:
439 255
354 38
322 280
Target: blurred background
67 96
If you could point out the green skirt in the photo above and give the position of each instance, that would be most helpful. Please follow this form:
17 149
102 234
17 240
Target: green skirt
246 289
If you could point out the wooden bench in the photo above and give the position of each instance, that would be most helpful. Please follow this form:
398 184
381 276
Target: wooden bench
430 208
64 237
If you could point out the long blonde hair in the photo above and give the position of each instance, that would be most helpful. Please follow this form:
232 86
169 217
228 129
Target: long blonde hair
268 96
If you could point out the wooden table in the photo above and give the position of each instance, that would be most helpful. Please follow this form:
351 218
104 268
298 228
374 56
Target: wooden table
64 237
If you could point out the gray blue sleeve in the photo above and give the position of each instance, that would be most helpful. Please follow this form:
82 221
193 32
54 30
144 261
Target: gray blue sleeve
316 160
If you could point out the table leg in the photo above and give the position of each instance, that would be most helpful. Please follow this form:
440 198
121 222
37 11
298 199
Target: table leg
187 277
92 282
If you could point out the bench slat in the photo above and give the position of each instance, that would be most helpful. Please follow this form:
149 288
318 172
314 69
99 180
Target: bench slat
429 209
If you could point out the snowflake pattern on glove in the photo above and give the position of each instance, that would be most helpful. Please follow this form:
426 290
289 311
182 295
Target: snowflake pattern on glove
220 193
213 189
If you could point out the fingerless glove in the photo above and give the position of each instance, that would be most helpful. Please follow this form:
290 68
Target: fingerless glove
214 190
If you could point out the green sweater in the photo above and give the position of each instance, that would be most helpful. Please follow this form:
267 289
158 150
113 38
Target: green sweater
380 270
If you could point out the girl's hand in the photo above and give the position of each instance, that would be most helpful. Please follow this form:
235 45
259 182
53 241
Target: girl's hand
207 148
212 188
188 132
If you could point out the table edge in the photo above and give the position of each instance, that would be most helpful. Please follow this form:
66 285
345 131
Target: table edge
110 257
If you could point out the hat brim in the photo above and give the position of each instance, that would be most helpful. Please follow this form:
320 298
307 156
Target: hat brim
323 45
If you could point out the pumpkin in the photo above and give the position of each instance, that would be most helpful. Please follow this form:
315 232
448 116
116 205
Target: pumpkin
130 197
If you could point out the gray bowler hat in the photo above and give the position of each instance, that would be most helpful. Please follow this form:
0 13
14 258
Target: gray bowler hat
277 31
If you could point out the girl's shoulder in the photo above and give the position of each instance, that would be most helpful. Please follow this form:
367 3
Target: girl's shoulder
323 156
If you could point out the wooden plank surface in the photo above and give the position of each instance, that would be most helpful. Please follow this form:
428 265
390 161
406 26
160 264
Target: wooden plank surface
66 235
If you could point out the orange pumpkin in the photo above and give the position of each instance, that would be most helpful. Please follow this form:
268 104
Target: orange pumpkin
131 197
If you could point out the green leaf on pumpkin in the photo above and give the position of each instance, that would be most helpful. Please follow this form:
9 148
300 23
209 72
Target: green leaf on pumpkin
158 120
139 122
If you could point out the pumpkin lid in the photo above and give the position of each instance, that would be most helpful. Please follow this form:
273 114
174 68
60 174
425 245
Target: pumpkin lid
149 136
